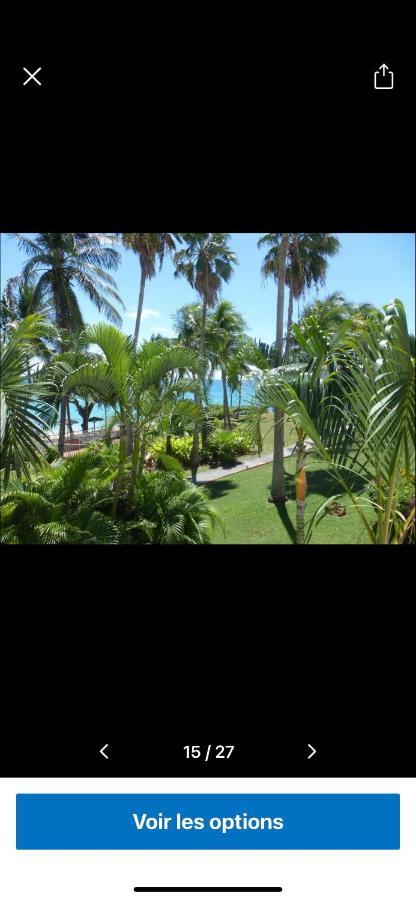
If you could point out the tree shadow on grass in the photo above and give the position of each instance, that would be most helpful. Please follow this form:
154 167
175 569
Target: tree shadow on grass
320 481
286 521
217 489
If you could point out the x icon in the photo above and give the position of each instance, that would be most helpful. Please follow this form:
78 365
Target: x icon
31 75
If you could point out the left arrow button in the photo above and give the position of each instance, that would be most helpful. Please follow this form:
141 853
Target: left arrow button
102 751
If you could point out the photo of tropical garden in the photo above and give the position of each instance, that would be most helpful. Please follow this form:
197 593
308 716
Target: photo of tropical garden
203 432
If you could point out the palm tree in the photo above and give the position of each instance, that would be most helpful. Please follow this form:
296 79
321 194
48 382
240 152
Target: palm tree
62 262
207 263
248 359
134 382
307 265
299 260
25 413
224 335
72 353
363 420
177 512
19 300
274 265
149 247
58 505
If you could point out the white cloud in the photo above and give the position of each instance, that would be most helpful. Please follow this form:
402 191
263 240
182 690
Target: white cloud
147 313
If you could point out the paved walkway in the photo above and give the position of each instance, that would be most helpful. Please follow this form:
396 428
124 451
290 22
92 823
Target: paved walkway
251 463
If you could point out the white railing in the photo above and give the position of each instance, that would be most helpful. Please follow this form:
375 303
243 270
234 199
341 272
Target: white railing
78 440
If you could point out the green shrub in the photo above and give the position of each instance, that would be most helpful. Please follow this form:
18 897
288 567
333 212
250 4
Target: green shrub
51 453
181 448
222 448
226 446
405 500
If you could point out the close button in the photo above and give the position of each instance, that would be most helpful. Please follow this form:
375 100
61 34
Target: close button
32 76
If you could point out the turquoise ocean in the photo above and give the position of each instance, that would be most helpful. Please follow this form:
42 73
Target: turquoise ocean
215 396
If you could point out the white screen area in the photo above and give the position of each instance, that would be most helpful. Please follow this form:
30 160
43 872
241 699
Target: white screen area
113 874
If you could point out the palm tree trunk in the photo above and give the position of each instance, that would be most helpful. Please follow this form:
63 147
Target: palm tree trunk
278 493
134 467
301 488
68 418
227 419
300 522
289 324
142 457
140 305
120 473
195 455
62 422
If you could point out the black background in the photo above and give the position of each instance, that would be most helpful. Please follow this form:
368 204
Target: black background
180 122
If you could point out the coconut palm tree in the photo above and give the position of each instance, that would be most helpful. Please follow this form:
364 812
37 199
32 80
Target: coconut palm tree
61 263
299 260
25 412
19 300
149 247
247 359
207 263
224 335
307 265
274 265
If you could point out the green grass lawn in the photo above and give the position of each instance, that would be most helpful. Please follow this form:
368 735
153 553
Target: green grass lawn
267 434
248 518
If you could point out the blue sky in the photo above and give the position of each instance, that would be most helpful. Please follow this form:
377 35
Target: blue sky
371 267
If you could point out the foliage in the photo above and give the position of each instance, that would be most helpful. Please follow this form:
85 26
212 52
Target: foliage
206 263
361 417
60 505
60 263
172 511
181 448
144 386
224 447
70 503
24 412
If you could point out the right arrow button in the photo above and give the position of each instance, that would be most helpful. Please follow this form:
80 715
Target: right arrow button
313 751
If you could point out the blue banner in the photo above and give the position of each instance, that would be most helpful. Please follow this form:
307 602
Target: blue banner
208 821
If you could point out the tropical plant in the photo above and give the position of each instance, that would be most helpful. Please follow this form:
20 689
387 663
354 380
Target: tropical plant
20 300
247 361
149 247
274 265
362 418
225 330
60 263
335 312
72 353
299 260
206 263
24 411
59 505
136 384
172 511
307 265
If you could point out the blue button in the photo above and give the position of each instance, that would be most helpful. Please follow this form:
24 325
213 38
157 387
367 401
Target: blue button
208 821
